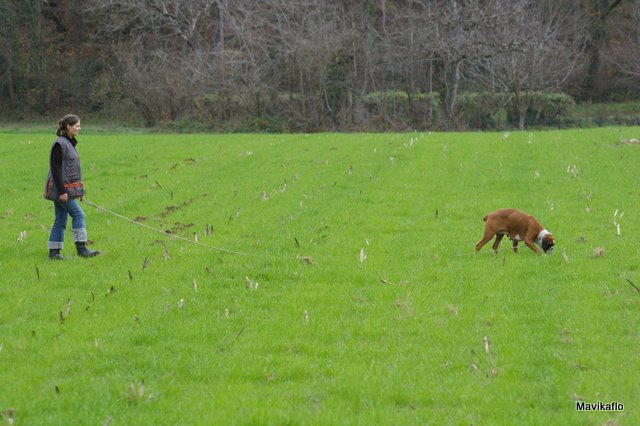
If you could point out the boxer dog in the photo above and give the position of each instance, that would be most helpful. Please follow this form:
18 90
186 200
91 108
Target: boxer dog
519 226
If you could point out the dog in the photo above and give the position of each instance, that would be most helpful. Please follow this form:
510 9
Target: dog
519 226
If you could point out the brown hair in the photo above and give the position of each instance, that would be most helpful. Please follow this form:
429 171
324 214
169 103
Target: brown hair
67 120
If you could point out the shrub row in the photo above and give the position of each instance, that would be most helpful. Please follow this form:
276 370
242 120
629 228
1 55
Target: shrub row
398 110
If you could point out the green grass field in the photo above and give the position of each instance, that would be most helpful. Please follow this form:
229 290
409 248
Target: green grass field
360 299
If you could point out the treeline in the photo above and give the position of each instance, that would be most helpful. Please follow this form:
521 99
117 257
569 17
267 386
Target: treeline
311 65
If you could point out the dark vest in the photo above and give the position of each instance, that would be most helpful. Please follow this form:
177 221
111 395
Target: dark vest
71 173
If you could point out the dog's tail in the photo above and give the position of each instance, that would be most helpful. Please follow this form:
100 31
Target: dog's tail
484 219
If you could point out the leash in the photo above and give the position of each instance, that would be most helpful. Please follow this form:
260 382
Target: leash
197 243
492 252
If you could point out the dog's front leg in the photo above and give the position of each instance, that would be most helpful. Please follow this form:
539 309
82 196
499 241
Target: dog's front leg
515 245
532 246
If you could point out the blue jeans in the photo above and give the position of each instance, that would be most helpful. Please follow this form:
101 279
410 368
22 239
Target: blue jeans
63 211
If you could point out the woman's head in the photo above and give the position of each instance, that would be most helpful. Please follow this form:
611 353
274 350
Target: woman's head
69 126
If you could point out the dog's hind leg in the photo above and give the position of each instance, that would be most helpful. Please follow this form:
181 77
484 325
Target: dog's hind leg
485 239
515 245
496 243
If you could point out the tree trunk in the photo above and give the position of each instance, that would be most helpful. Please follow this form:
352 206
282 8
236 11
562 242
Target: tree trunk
452 94
599 35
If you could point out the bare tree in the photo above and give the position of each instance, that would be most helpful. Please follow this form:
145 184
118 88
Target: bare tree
626 32
458 34
309 62
529 48
599 13
8 51
150 41
160 20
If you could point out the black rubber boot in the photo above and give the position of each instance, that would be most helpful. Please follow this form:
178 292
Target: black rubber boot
83 251
54 254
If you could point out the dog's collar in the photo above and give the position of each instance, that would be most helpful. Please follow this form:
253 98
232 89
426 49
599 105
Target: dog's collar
541 236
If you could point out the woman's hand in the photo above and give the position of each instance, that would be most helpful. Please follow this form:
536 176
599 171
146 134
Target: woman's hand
63 198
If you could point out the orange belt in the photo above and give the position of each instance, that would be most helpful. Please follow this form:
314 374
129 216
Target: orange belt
72 185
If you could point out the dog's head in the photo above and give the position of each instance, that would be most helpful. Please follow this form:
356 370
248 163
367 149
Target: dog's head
547 243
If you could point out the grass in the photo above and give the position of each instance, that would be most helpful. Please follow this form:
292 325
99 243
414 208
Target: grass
370 305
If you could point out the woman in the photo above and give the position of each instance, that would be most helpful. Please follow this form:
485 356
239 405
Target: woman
64 187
